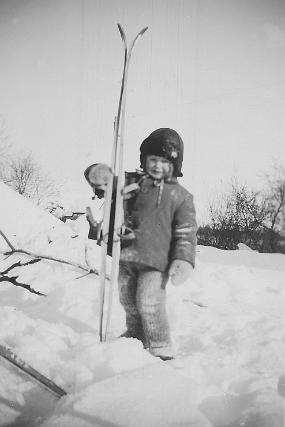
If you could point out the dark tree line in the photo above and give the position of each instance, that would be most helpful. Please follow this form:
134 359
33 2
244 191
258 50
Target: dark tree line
255 218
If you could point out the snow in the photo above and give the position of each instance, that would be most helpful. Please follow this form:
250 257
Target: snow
227 324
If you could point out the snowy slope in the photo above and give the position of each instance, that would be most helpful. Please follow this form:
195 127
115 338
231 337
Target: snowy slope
29 227
25 222
227 325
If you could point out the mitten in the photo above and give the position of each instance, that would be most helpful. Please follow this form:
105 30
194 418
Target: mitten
94 226
179 271
130 190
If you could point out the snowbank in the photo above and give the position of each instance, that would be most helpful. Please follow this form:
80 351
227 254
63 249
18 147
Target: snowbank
227 326
29 227
26 223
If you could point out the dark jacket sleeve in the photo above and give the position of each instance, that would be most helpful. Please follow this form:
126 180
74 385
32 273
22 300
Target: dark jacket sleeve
184 229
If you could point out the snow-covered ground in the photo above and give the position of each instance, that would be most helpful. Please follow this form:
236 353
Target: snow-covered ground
227 325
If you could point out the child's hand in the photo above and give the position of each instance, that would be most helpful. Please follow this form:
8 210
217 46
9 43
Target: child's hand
130 190
180 271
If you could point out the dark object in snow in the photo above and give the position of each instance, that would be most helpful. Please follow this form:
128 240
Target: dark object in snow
8 354
13 279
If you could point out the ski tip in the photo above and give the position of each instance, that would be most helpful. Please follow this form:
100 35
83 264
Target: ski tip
143 31
122 33
121 29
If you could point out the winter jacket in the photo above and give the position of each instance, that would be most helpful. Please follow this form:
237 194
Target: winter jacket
164 224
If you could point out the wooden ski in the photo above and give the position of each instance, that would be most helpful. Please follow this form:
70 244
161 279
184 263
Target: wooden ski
117 167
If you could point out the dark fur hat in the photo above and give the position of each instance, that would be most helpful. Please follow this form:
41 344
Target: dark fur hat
166 143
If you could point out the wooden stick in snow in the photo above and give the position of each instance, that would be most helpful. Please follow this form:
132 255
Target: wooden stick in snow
9 355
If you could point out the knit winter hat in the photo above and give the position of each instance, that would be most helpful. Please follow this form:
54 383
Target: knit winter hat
98 173
166 143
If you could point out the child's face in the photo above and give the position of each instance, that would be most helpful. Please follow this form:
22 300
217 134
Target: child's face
98 179
158 167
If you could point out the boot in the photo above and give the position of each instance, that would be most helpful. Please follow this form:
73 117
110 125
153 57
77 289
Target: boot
164 353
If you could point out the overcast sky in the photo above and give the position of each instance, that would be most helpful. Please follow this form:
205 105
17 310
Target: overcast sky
211 69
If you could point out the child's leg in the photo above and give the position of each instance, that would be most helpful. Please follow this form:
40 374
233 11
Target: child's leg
127 293
151 303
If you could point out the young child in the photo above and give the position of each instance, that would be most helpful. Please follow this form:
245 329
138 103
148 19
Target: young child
161 214
97 175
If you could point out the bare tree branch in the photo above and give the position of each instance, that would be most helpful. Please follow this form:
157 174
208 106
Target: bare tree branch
13 280
19 264
51 258
42 256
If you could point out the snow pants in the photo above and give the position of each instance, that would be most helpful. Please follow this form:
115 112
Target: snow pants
143 296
